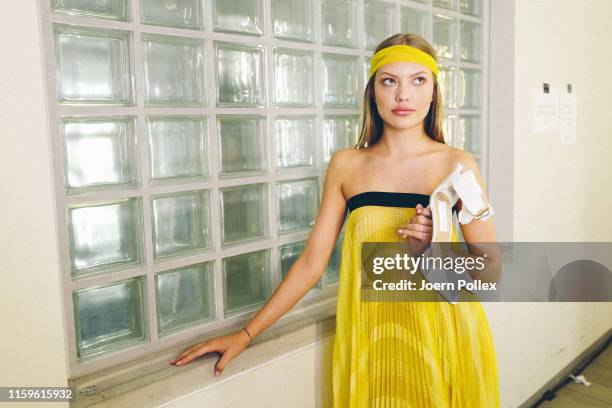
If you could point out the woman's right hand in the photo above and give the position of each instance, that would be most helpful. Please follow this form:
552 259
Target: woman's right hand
229 346
419 230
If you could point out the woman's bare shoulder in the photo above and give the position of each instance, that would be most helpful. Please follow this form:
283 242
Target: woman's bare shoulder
465 158
450 156
346 159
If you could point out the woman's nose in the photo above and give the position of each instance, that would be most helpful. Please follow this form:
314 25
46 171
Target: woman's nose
403 94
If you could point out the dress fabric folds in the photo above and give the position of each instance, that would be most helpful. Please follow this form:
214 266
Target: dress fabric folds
403 354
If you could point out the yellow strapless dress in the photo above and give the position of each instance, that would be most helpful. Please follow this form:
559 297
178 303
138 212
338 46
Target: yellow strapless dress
405 354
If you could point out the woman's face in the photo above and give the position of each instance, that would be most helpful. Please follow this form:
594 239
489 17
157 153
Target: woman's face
403 85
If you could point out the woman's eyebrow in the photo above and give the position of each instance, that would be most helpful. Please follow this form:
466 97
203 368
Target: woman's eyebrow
388 73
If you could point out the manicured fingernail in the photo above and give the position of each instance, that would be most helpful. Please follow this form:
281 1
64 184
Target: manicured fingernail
217 373
179 362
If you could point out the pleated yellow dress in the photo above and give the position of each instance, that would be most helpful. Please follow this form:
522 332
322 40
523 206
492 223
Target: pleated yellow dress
405 354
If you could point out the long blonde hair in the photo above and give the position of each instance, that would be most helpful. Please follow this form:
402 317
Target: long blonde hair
372 123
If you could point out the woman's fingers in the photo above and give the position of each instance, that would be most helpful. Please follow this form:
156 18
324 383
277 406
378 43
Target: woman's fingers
421 232
197 352
422 219
421 236
225 358
424 211
416 227
184 353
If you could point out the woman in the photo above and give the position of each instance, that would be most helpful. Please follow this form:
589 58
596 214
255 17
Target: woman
404 354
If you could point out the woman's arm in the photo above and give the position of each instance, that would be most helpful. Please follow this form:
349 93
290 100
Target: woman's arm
310 265
479 231
301 277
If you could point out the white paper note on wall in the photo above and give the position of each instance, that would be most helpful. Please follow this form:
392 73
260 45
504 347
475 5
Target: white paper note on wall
545 111
567 118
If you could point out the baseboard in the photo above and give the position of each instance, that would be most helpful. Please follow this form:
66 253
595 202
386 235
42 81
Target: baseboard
576 365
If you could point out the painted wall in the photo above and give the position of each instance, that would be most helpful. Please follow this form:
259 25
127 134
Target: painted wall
557 188
32 340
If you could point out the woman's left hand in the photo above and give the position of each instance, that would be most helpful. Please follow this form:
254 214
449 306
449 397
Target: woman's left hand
418 230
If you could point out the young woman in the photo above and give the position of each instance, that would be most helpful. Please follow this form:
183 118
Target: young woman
400 354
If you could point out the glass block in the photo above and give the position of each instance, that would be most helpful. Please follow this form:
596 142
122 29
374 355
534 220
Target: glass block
178 148
469 133
110 9
340 80
297 204
110 317
471 7
333 266
339 132
378 20
293 20
288 254
366 76
93 66
181 223
447 4
105 236
293 81
240 75
246 281
244 213
447 82
469 49
184 297
444 36
172 13
450 130
100 153
469 89
339 22
241 144
295 144
414 21
239 16
173 70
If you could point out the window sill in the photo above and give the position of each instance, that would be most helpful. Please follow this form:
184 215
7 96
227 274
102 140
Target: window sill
151 380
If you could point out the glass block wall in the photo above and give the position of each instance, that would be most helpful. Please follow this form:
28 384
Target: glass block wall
191 139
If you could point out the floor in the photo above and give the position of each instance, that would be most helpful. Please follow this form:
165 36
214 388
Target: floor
599 394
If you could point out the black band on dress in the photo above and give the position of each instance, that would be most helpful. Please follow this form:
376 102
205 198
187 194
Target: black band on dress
389 199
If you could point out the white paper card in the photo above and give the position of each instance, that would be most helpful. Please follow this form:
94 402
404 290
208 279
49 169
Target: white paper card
567 118
545 111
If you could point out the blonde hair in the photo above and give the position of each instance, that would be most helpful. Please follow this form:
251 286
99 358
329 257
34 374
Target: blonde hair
372 123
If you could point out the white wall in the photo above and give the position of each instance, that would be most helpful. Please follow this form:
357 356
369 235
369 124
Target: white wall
32 339
533 342
557 189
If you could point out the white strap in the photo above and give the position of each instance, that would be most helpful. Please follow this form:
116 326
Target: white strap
471 196
435 275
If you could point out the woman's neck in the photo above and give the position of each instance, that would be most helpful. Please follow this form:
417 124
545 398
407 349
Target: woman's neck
403 142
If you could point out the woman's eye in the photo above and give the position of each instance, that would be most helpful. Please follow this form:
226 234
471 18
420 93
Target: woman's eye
422 80
387 79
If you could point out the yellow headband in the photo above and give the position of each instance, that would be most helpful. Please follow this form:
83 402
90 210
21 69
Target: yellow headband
397 53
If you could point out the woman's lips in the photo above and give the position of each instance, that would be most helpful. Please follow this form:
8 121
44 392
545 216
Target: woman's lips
402 112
